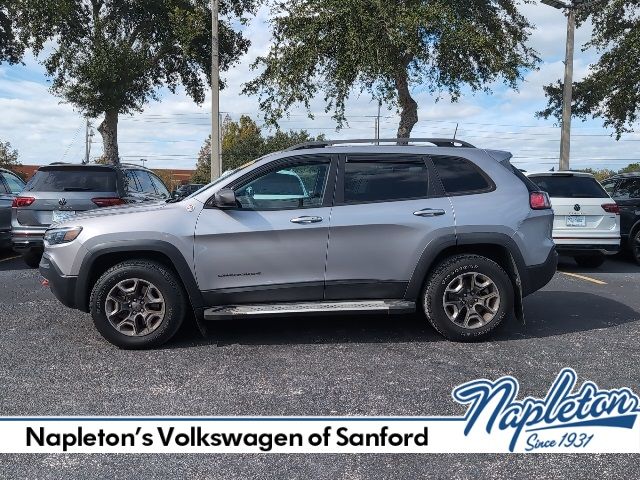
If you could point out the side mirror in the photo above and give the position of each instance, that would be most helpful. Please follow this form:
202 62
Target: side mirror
225 198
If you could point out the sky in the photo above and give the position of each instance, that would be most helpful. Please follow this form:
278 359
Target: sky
169 133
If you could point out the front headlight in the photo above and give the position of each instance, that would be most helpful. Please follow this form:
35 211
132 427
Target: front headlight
56 236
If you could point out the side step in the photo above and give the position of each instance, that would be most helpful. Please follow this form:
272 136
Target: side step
227 312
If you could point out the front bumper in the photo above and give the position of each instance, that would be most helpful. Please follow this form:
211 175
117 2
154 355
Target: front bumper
537 276
62 286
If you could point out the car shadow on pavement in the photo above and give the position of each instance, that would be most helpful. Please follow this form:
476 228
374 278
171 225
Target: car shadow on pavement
551 313
9 261
620 263
548 314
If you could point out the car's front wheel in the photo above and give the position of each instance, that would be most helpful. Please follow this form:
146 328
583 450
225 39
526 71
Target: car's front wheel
467 296
138 304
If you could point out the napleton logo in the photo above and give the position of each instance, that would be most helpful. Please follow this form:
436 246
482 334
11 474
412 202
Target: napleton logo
565 417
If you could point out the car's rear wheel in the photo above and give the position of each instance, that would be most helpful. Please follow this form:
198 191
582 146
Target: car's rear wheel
590 261
138 304
467 296
32 258
635 246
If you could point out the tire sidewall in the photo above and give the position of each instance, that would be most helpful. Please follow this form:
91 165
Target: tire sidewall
166 284
435 288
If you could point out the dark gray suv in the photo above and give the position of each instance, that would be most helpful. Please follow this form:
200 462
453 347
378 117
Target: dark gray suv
10 186
57 192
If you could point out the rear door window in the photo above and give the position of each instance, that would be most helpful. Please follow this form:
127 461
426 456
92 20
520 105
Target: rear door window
459 176
145 182
70 179
570 186
14 184
384 180
160 188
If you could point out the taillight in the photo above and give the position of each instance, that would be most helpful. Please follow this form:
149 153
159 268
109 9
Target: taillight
22 201
107 201
611 208
539 200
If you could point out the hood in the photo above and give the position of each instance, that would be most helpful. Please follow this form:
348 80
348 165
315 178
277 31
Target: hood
119 210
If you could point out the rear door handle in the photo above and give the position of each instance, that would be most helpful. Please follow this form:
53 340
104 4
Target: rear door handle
306 220
429 212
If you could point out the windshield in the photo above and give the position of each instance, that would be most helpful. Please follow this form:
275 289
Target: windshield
570 186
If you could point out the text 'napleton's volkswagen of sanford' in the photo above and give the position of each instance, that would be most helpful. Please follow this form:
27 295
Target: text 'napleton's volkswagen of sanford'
329 227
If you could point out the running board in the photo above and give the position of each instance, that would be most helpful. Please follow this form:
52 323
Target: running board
227 312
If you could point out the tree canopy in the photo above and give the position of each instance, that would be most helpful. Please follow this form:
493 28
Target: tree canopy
611 90
243 141
385 48
110 57
11 48
8 156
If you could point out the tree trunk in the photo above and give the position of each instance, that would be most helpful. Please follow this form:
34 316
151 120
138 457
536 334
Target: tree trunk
408 106
109 131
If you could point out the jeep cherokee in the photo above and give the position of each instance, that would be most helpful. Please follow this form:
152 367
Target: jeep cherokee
325 227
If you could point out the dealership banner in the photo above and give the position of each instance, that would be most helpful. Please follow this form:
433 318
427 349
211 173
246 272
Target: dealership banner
570 418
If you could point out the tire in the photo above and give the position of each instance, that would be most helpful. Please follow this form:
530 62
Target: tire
635 246
446 275
161 323
590 261
32 258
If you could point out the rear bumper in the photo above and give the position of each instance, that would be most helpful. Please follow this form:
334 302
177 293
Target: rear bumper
62 286
24 240
537 276
587 245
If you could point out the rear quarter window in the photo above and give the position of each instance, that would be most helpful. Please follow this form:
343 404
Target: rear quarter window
459 176
570 186
72 180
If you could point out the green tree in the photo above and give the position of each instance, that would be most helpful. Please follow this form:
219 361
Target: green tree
611 90
8 156
334 48
110 57
243 141
11 48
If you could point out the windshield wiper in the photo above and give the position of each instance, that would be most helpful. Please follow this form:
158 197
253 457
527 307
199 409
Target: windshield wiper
75 189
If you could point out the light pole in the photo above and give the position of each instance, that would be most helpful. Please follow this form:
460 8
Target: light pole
567 92
215 94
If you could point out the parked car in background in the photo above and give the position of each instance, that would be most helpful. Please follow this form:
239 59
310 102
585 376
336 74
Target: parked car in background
625 190
184 191
10 186
586 225
57 192
451 231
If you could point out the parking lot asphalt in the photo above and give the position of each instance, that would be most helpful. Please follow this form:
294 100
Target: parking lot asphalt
53 362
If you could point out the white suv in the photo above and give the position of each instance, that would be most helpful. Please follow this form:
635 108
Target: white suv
586 225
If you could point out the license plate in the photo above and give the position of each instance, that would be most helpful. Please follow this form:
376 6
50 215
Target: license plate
576 221
61 215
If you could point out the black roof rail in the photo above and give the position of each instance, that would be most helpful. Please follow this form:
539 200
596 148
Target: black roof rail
438 142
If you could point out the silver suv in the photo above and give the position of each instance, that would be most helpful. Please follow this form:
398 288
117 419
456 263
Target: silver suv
59 191
326 227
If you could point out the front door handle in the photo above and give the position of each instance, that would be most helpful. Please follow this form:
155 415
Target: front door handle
429 212
306 220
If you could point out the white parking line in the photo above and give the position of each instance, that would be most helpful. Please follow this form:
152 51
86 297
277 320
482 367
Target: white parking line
583 277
